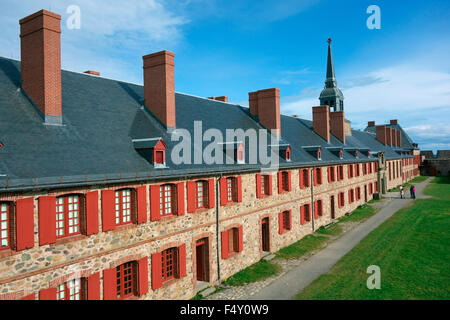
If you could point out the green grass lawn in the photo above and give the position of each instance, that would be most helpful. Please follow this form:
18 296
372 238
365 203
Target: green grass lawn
361 213
332 230
256 272
408 184
301 247
411 249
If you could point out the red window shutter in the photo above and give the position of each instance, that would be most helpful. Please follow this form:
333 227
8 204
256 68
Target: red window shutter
180 199
48 294
350 196
280 223
225 244
182 261
25 224
109 284
211 193
108 210
309 212
300 179
92 213
93 286
241 239
302 215
290 219
223 191
47 220
191 195
141 204
270 184
289 181
319 178
29 297
155 213
156 271
329 174
239 188
258 186
280 182
316 210
143 276
314 172
348 169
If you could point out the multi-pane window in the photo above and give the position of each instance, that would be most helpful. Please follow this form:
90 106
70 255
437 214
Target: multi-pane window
125 280
285 180
342 199
71 290
286 220
331 172
67 216
4 226
123 206
169 263
231 194
201 200
340 173
265 185
319 208
306 212
233 237
167 198
318 173
357 170
305 177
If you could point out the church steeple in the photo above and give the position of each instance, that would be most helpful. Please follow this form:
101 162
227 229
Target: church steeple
331 95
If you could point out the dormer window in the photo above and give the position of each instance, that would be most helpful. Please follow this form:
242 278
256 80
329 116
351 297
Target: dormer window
234 151
288 154
319 154
153 149
240 155
315 151
341 154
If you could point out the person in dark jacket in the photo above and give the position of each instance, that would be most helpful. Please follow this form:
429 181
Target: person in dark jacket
414 192
411 192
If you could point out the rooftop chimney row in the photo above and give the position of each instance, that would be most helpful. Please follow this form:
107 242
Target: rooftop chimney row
40 35
159 86
337 124
321 121
222 98
265 104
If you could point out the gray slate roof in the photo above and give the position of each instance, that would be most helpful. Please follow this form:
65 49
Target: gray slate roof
102 117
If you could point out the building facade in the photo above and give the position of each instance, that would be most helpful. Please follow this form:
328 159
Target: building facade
94 206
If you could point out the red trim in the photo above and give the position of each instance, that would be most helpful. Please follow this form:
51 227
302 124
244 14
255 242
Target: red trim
48 294
156 271
155 213
29 297
241 239
47 220
225 244
258 185
25 224
92 213
191 196
180 199
141 194
239 188
109 284
211 194
223 191
108 211
143 276
93 287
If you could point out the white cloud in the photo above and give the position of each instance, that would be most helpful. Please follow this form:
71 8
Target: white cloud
114 35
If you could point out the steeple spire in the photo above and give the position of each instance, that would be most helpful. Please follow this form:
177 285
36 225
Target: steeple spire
331 95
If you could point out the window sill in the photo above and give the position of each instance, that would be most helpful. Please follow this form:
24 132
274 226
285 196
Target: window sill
68 239
124 227
201 210
169 283
7 253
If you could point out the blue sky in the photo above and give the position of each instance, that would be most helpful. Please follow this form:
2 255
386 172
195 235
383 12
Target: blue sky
228 47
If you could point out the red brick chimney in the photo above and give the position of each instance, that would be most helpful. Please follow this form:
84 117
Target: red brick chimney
159 86
40 35
394 121
265 104
399 138
321 121
92 73
381 134
222 98
371 123
337 124
389 136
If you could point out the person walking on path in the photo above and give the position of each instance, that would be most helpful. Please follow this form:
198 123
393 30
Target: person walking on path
411 190
414 192
401 192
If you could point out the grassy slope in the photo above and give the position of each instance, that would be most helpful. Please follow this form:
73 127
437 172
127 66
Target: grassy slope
256 272
411 248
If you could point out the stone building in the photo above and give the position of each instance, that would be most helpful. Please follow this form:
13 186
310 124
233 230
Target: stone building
94 203
438 165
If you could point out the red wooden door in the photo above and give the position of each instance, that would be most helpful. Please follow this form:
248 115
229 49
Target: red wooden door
265 235
202 260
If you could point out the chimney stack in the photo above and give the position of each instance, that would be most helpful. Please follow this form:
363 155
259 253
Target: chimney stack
159 86
321 121
371 123
399 138
381 134
92 73
265 104
337 123
222 98
40 35
394 121
389 136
